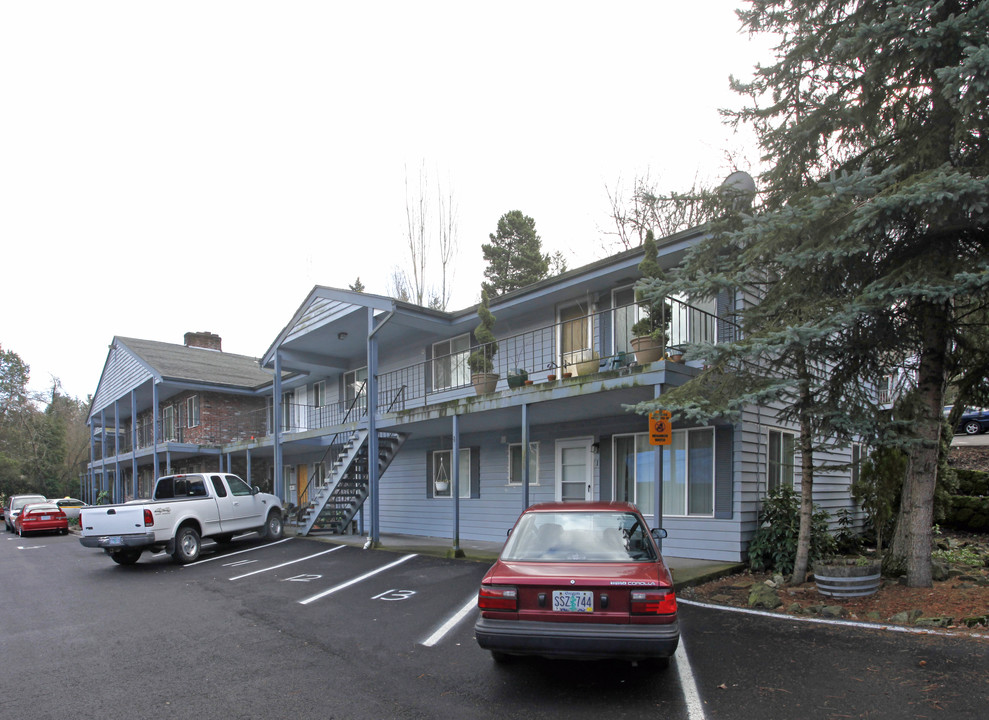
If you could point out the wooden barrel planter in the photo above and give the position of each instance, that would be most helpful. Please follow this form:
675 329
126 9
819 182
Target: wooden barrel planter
845 581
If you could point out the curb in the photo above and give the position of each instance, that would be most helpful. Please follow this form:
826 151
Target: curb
830 621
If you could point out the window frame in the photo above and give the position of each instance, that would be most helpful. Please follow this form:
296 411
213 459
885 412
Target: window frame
457 370
665 450
585 317
168 423
192 409
533 460
351 381
472 478
780 462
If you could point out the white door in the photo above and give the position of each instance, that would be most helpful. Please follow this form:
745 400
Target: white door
301 409
574 469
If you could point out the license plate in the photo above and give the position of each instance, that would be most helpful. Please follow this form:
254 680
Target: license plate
573 601
46 517
116 540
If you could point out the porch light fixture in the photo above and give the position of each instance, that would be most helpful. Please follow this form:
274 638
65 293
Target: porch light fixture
341 336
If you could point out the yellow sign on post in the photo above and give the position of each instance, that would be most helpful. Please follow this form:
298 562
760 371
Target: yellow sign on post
660 428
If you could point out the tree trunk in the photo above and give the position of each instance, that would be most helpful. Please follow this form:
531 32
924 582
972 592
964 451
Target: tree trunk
801 562
912 541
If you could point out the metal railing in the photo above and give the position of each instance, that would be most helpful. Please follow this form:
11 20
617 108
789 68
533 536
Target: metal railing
552 350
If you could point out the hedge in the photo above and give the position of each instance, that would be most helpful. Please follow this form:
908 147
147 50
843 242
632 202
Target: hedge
968 513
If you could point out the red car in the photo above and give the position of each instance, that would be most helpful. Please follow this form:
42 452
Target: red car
41 517
579 580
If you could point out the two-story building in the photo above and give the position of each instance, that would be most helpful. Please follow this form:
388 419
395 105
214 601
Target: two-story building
354 376
164 407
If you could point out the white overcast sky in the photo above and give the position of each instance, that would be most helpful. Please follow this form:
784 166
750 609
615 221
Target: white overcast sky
176 166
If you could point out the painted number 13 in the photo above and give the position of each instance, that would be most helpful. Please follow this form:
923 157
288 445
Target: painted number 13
395 595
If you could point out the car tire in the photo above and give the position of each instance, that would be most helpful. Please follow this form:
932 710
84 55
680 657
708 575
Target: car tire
187 545
972 428
127 556
273 527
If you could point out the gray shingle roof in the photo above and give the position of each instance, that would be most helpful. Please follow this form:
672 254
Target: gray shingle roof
194 364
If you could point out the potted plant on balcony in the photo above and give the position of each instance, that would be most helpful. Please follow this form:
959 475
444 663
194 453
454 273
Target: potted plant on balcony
518 375
588 364
481 361
649 336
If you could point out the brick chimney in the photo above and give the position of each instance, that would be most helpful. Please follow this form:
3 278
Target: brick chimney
205 339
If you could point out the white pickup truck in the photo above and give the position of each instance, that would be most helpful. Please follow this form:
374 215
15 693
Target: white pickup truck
185 509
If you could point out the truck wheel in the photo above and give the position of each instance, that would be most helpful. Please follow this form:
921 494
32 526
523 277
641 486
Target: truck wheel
187 545
128 556
272 529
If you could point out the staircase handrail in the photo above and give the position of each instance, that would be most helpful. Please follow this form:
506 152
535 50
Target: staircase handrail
334 442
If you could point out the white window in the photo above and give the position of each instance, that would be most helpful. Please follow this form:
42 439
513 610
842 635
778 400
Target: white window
781 451
515 463
450 363
688 473
575 335
626 314
168 423
635 463
355 387
192 411
288 416
319 393
443 475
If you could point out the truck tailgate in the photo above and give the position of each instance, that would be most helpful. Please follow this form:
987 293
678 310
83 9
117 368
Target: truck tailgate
113 520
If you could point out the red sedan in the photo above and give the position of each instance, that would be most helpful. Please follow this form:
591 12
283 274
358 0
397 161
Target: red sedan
41 517
579 580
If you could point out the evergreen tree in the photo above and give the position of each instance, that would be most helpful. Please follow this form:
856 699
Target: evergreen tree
514 255
870 252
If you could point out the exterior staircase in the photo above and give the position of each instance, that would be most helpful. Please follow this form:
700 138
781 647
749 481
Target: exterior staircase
333 504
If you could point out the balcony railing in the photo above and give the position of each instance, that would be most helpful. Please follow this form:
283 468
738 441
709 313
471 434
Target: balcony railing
551 350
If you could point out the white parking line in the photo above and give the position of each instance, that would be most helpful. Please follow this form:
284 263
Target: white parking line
290 562
451 622
356 580
226 555
695 709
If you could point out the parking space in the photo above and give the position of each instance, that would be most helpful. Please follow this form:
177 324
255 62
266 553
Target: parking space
341 593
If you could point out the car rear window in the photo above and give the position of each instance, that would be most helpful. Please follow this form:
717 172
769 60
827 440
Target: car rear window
580 537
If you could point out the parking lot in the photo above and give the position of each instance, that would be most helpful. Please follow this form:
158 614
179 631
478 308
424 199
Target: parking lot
303 628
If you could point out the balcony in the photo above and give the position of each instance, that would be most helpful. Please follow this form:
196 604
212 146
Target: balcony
580 346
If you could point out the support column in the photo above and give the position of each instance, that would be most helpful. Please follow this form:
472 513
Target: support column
658 479
374 480
525 455
455 488
155 412
133 445
276 421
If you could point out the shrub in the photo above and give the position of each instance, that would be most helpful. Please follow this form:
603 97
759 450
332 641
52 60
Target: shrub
774 546
972 482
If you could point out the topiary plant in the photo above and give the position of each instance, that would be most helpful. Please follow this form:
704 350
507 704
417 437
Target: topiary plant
656 320
482 359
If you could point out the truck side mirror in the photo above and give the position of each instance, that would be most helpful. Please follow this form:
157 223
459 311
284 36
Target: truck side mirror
256 490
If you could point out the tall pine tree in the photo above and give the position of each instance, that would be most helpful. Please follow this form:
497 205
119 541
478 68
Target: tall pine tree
870 250
514 255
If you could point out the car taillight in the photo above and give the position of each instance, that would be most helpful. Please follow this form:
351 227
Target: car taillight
653 602
498 597
149 519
